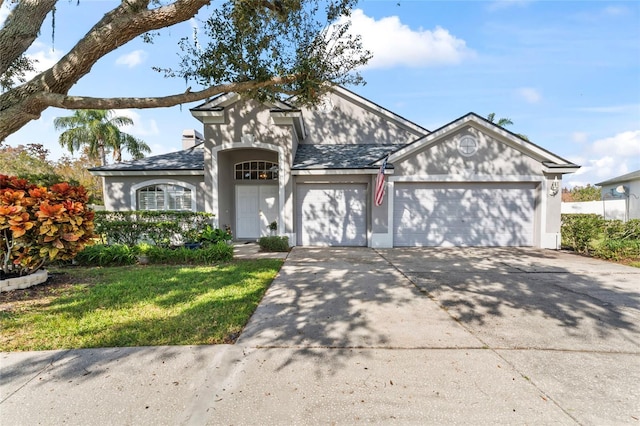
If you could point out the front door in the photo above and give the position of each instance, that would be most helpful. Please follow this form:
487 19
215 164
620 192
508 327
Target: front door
256 208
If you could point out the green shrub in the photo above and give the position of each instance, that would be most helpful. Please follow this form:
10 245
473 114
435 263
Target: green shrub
274 243
619 230
211 235
160 227
39 225
120 254
105 255
618 249
209 254
578 230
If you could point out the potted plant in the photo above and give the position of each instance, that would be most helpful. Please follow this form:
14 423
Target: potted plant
142 253
273 227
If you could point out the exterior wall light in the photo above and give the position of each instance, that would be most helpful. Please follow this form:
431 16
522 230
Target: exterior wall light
555 187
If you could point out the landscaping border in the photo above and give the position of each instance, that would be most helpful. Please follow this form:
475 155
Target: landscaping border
25 281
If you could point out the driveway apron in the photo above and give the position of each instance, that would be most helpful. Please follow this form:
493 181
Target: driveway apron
349 298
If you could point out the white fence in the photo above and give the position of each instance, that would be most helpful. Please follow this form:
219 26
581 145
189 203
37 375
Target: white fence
609 209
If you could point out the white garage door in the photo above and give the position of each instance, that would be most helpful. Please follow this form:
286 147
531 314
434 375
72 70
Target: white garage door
463 214
332 215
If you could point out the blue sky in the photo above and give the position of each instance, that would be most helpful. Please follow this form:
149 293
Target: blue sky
566 73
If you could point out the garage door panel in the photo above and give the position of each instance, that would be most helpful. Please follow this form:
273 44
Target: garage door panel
471 214
331 216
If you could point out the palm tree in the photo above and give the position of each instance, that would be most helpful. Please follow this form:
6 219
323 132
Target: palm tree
98 131
504 122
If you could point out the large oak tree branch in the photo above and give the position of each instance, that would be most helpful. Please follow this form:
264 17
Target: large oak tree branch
84 102
122 24
21 29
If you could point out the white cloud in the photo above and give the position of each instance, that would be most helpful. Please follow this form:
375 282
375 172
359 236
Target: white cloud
132 59
141 128
611 109
504 4
529 94
606 158
393 43
44 56
626 144
615 11
580 137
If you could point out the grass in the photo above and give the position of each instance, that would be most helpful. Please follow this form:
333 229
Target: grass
136 306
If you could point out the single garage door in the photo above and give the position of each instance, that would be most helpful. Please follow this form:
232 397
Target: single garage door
463 214
332 214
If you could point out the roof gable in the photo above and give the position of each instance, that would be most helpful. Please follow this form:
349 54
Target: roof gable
377 109
548 159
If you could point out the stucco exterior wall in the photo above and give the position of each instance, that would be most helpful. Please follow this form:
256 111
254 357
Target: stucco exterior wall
247 133
119 189
352 123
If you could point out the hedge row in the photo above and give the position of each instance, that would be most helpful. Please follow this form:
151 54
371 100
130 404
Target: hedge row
162 228
120 254
608 239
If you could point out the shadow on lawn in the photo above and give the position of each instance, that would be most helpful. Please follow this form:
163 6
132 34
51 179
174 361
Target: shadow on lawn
159 306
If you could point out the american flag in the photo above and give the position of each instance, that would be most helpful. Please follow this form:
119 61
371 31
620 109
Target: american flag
379 192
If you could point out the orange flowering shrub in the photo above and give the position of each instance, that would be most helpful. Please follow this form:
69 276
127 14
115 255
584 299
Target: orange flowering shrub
38 225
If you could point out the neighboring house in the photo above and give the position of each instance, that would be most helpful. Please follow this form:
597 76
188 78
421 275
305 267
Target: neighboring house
313 171
627 188
608 208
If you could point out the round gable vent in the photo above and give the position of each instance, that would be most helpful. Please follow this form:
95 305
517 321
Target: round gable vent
467 146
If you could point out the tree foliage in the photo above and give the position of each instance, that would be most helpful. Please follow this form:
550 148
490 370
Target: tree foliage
99 132
258 47
581 193
32 162
504 122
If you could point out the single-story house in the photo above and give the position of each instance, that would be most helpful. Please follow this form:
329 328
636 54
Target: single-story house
627 188
313 170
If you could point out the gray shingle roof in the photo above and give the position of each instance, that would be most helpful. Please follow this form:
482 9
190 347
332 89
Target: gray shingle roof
187 159
307 157
362 156
624 178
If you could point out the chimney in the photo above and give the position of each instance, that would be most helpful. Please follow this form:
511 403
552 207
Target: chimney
191 138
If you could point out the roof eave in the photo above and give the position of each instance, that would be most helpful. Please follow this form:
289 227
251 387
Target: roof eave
148 172
338 171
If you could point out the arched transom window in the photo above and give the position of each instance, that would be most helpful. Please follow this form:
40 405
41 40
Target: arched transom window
256 170
164 197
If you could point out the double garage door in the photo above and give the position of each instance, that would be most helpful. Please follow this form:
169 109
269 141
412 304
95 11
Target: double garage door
463 214
425 214
332 215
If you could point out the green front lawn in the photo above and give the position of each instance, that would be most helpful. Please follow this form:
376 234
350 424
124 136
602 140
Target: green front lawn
135 306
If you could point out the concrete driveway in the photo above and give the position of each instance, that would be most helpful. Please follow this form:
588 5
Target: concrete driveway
401 336
432 336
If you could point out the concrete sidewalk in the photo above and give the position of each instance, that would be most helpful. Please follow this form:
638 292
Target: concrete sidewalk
392 336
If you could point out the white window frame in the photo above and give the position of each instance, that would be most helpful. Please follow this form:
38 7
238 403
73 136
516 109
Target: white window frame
273 168
138 186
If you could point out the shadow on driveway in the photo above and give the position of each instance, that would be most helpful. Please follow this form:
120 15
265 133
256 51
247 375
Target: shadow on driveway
527 298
